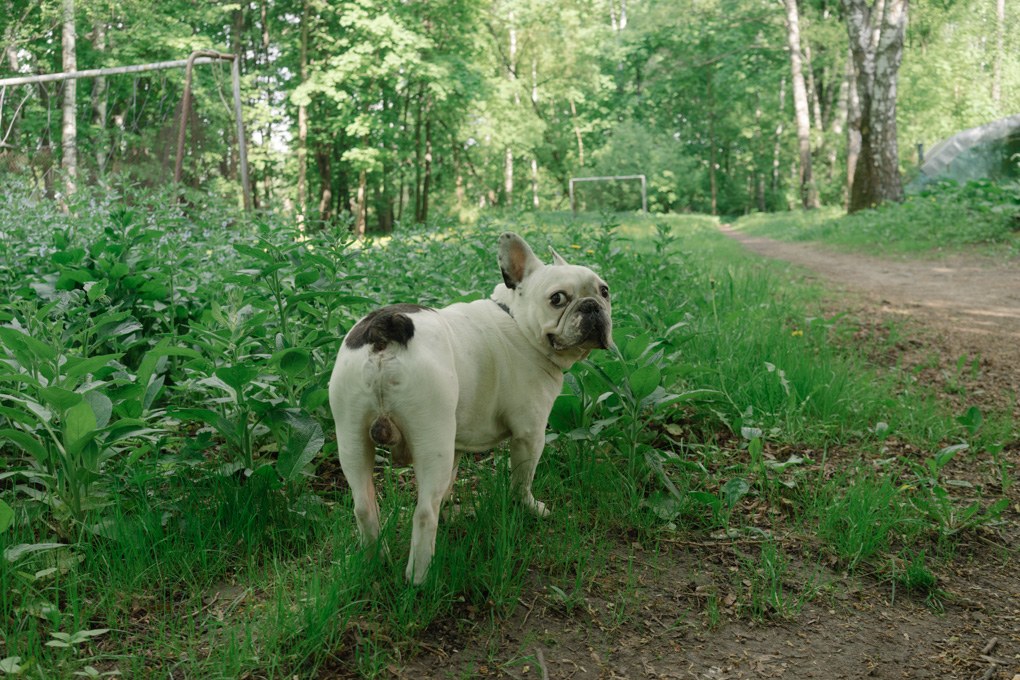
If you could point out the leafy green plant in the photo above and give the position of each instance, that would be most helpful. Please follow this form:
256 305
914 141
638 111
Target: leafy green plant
71 415
938 507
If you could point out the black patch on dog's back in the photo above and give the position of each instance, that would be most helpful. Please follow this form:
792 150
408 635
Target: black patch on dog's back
383 326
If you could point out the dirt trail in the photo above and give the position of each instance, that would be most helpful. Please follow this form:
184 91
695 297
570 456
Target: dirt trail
969 303
679 619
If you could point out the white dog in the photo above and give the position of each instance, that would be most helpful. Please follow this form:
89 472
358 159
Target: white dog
430 384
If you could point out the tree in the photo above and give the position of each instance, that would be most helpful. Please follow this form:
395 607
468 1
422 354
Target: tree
876 35
1000 31
69 128
808 190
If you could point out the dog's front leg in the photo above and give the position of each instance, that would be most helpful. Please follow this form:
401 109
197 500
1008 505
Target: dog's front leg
525 452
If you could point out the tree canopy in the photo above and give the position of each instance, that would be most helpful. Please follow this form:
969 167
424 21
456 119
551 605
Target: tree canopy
379 111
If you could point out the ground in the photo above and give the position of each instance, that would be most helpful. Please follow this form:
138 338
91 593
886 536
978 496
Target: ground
678 619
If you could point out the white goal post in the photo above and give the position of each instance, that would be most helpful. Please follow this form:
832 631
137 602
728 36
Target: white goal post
613 178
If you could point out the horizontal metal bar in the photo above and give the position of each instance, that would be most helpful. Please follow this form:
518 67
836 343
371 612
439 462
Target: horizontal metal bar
593 179
93 73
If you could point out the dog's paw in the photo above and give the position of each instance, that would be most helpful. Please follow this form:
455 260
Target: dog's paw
537 508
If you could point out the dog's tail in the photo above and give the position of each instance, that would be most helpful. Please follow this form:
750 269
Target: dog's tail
384 432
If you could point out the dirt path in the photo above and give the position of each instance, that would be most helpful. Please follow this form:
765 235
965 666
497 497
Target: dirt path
678 619
970 305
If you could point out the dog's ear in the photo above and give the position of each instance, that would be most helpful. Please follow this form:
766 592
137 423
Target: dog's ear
557 258
516 259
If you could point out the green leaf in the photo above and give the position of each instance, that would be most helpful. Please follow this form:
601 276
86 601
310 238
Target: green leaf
77 367
101 405
15 339
314 399
644 381
60 399
306 278
6 516
11 665
566 413
734 490
207 416
79 423
95 290
237 376
250 251
28 443
305 440
294 361
16 552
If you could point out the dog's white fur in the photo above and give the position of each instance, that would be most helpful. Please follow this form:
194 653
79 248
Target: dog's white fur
469 376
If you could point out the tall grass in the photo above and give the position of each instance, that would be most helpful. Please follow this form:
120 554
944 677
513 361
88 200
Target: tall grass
209 535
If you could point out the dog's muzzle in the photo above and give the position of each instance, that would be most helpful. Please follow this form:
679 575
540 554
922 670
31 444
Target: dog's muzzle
589 328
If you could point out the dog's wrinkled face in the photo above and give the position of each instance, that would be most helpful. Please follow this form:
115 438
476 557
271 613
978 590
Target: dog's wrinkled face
560 307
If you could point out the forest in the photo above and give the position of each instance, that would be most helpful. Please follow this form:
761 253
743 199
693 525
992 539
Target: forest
379 112
795 456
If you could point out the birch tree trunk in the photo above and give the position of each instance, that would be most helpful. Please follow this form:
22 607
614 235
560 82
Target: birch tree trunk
359 206
508 164
778 146
808 191
1000 37
577 133
69 129
302 150
876 41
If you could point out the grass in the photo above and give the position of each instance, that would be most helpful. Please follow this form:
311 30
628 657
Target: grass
940 219
168 454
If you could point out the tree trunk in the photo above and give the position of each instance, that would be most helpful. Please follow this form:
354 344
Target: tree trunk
267 133
302 150
712 161
322 161
1000 37
418 152
808 191
99 101
534 183
577 133
853 129
813 92
876 41
840 114
511 74
359 205
427 181
778 146
69 128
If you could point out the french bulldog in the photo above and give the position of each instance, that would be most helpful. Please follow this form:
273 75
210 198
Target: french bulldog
430 384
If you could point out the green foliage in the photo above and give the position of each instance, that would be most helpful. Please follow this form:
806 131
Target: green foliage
940 217
389 109
163 372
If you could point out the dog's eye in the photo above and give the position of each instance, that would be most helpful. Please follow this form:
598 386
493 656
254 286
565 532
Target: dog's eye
604 292
558 299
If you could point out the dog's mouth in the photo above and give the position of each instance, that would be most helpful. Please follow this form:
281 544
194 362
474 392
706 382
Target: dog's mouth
590 330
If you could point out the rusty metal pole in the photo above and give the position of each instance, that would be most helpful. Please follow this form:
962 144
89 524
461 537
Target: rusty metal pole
182 130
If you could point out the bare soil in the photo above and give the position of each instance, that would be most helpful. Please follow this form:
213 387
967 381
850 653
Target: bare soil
685 613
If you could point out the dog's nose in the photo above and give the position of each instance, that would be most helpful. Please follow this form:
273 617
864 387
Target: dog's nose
588 306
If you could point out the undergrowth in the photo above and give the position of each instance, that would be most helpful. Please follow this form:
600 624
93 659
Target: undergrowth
169 500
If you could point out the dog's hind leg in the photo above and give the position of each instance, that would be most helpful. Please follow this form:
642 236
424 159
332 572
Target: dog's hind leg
433 469
357 457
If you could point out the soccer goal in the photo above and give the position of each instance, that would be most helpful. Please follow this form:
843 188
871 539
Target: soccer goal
197 57
613 178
